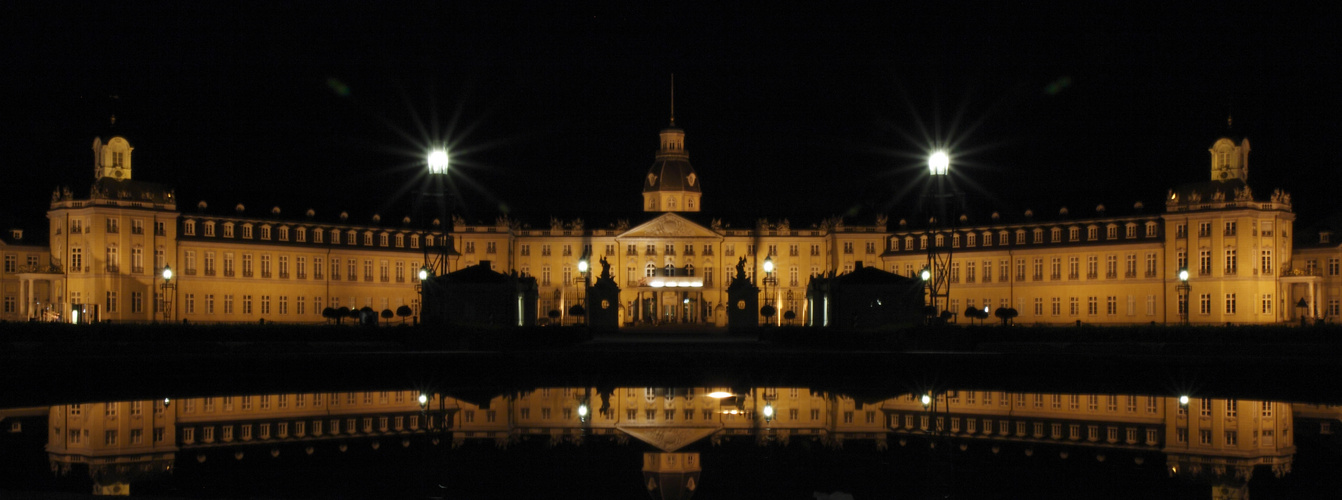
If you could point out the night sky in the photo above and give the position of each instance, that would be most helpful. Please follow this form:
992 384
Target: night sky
797 110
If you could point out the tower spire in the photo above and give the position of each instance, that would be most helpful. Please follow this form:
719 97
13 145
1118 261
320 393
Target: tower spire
673 99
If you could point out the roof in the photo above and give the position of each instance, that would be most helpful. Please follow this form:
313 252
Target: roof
672 173
109 188
868 275
478 274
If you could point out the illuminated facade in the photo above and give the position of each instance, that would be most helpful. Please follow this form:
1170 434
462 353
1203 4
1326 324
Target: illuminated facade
108 249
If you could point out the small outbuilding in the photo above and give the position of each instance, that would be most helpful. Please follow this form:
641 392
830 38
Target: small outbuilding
479 296
867 297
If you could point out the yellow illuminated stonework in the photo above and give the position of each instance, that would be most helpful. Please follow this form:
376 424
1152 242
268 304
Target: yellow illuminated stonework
1089 265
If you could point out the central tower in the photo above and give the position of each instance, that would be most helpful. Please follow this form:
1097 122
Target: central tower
671 184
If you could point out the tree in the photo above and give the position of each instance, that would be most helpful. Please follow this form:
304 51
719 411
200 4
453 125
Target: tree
387 314
330 313
768 311
404 312
341 314
553 314
1006 314
789 316
364 313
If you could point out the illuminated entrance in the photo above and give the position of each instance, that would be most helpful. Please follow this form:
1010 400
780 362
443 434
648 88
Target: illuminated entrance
672 295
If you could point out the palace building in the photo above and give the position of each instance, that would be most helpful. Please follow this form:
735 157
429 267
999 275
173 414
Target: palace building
1101 265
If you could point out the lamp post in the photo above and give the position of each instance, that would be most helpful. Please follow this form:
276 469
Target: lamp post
583 267
435 255
167 285
769 279
1184 294
938 256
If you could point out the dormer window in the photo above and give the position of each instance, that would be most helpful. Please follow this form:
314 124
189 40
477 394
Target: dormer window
382 239
228 230
265 232
1056 235
300 234
209 229
247 231
1325 236
284 234
16 234
189 228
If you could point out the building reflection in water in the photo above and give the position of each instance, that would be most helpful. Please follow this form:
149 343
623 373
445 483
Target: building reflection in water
1220 442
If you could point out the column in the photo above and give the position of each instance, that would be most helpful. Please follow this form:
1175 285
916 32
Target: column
24 293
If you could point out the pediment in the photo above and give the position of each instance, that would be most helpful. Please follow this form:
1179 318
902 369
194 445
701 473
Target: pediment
668 439
669 225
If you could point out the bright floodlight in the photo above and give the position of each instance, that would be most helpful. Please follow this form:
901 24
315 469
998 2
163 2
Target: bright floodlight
582 266
1183 274
1183 400
769 410
167 273
423 399
939 163
719 394
925 275
582 410
438 161
768 264
926 399
423 273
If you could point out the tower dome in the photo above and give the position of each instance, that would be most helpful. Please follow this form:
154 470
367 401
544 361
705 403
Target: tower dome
671 184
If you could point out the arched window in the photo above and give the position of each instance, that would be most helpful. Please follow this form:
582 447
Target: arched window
651 270
670 270
689 269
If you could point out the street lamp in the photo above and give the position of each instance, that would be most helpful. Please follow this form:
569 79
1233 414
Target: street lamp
438 163
582 412
768 412
769 279
938 256
167 285
1184 294
939 163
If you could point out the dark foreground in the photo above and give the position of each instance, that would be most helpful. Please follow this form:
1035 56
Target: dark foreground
50 364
